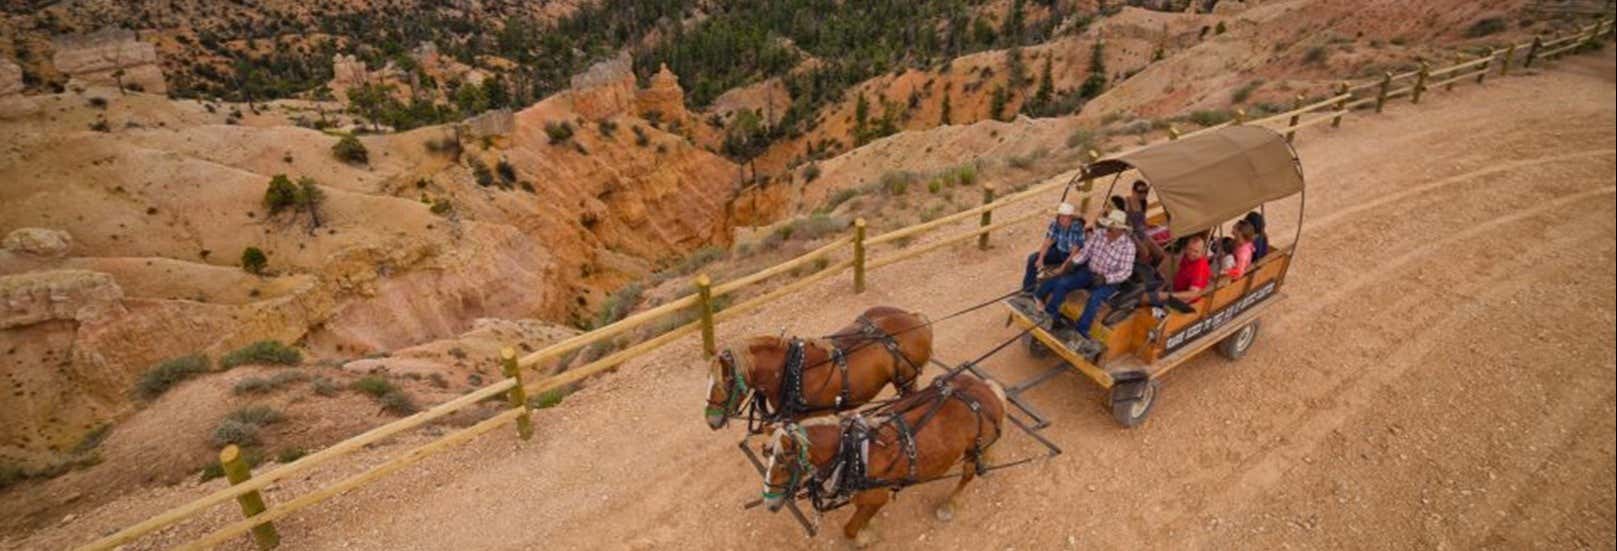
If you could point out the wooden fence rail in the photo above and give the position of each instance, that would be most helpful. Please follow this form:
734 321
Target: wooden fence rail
700 303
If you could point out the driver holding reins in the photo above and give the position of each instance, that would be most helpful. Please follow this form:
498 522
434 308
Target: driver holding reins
1062 241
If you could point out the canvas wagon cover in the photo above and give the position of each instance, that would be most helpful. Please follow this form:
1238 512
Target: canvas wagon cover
1211 178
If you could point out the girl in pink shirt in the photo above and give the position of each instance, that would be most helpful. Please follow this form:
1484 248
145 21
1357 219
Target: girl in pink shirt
1243 249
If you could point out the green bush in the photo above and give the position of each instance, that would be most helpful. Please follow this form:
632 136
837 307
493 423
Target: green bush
280 194
1221 28
897 182
268 352
252 385
1245 91
256 415
235 432
398 403
288 455
441 207
1212 117
157 380
481 173
607 128
375 386
253 260
349 150
618 304
811 172
1081 139
506 171
559 132
548 399
1316 55
934 186
965 175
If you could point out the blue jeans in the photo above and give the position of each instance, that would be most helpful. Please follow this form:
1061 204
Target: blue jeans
1052 257
1058 289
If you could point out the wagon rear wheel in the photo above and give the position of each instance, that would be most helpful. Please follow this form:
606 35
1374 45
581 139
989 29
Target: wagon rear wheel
1236 345
1132 401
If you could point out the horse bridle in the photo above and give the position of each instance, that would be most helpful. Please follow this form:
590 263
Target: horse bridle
736 389
795 477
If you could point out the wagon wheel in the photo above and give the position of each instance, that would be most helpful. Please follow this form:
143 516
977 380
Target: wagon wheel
1235 346
1035 347
1132 401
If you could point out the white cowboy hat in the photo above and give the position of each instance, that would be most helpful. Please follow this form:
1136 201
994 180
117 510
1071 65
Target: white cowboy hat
1114 219
1066 209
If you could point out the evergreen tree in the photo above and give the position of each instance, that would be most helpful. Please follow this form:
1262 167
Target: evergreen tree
997 103
1011 31
943 119
1096 82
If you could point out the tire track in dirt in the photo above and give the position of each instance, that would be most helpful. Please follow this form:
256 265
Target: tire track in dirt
1353 394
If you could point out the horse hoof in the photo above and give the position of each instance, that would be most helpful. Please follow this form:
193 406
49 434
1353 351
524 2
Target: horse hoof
945 512
866 538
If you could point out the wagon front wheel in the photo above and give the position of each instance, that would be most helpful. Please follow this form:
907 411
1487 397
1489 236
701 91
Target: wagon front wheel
1132 401
1235 346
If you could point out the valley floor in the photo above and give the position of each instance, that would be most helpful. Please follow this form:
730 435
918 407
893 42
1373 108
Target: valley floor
1441 375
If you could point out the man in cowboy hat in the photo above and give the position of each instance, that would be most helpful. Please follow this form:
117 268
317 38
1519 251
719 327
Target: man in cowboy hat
1062 241
1110 257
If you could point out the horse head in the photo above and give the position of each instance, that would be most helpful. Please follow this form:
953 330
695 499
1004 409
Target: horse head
789 465
726 390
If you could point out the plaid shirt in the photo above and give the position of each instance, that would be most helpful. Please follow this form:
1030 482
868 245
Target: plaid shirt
1112 259
1068 239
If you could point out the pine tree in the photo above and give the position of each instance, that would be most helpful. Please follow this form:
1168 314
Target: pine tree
943 119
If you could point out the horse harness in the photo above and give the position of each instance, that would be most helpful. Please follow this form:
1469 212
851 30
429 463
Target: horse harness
869 331
835 485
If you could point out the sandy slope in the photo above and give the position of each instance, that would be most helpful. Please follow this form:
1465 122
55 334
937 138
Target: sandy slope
1442 376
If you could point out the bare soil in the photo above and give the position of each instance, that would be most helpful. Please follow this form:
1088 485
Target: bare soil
1441 375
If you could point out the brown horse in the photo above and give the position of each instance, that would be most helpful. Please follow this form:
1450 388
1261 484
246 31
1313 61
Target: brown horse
843 371
864 462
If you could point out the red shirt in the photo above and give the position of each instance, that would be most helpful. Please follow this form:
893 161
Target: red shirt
1193 272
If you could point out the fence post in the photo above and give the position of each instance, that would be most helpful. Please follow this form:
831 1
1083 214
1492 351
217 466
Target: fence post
252 503
1088 185
1457 60
704 305
1240 117
1420 82
1532 51
1295 118
517 396
1482 74
1381 96
1510 55
1341 105
1173 133
988 216
859 255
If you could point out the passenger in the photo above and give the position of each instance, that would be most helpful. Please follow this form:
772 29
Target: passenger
1110 255
1136 207
1260 244
1243 249
1062 241
1225 253
1194 272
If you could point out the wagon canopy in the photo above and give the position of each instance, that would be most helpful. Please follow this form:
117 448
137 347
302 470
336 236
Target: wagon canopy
1208 179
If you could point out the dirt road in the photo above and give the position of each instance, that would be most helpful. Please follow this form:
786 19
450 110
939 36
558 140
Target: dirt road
1441 376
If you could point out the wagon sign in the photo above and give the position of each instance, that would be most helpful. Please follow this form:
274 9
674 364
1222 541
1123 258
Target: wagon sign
1220 318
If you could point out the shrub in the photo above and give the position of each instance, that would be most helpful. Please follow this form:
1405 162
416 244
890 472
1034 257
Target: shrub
1486 26
965 175
896 182
640 137
1316 55
442 207
1212 117
558 131
1081 139
481 173
814 227
618 304
163 376
1245 91
375 386
288 455
269 352
252 385
934 186
398 403
235 432
101 125
349 150
811 172
253 260
256 415
506 171
324 387
1220 28
548 399
280 194
98 102
607 128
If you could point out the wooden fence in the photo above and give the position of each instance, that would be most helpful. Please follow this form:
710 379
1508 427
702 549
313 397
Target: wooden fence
246 490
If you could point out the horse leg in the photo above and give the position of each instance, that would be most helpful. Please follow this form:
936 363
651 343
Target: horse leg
858 528
946 509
